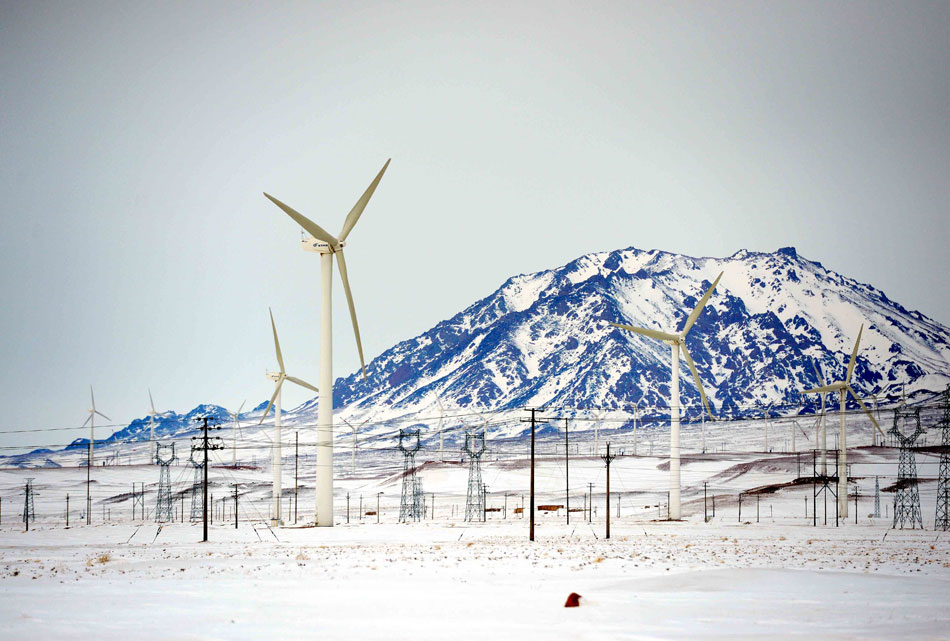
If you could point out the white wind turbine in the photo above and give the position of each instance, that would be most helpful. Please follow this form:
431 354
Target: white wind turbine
151 426
636 423
279 378
91 419
441 423
823 438
235 426
843 388
767 414
355 442
327 246
677 343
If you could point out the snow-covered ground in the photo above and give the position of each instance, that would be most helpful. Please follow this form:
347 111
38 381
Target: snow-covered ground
771 574
430 580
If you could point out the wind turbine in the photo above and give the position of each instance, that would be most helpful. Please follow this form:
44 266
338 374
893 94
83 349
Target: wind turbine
236 422
356 442
327 246
677 343
151 426
279 378
441 423
91 419
636 423
768 413
843 388
824 433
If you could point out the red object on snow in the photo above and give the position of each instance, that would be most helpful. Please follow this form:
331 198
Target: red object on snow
573 600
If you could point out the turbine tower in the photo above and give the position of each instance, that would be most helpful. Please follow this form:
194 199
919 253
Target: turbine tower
677 343
279 378
327 246
91 419
844 388
824 433
236 425
151 427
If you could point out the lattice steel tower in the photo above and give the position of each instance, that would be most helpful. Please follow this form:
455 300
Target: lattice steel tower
907 498
411 503
475 498
942 522
29 511
197 487
164 457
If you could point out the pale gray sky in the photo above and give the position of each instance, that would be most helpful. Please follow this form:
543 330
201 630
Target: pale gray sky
136 248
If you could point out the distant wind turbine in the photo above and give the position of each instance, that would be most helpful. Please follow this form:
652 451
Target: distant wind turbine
236 425
151 427
843 388
91 419
355 443
327 246
677 342
279 378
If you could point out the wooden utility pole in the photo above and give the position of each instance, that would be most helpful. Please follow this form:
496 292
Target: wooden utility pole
533 421
590 502
567 475
607 458
296 453
235 506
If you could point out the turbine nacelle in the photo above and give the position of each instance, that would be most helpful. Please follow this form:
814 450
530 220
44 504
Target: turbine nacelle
317 246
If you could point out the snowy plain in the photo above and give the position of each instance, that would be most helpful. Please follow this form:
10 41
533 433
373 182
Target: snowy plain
770 574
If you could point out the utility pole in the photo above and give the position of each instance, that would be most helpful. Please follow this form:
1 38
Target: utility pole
235 506
567 474
378 494
590 502
532 420
347 508
607 460
205 446
705 514
296 453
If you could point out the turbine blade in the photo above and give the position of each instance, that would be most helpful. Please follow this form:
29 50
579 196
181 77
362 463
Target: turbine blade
360 205
699 306
103 415
814 366
273 398
311 227
92 397
86 422
866 411
652 333
349 301
242 407
280 358
302 383
151 401
823 389
854 355
699 384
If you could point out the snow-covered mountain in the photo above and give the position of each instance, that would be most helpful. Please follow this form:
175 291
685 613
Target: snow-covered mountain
544 339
